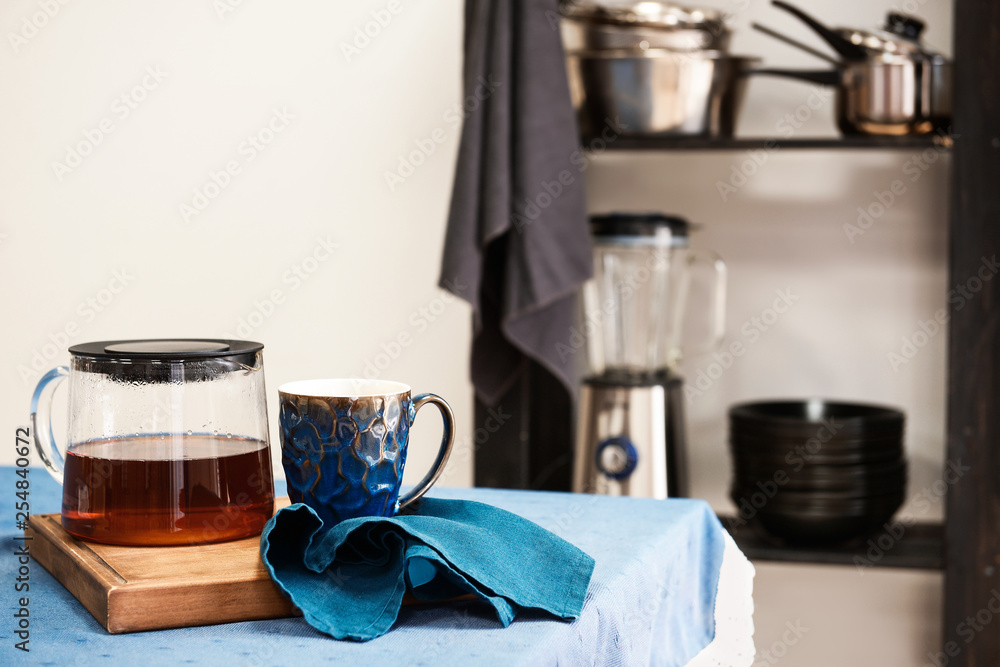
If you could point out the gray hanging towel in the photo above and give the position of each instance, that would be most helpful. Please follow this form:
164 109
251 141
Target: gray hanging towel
517 246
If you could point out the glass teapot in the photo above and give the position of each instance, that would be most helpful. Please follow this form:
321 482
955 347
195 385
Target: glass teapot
167 441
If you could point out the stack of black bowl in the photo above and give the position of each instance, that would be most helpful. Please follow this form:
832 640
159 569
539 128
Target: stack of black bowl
814 471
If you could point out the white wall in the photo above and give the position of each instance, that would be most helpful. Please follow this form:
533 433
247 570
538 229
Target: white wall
62 240
223 75
783 229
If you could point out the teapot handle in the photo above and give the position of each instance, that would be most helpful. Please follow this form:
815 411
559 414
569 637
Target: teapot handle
41 422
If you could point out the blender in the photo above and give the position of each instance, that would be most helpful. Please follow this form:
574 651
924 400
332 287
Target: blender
630 430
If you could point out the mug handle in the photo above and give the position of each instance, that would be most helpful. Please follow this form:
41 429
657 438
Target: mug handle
447 440
41 422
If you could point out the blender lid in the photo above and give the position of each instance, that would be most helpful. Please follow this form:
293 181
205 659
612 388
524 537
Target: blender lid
640 229
167 349
647 13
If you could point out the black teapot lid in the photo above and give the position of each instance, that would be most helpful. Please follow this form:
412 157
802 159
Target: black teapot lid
167 349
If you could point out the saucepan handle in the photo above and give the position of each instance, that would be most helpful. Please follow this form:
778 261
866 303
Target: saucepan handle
845 47
823 77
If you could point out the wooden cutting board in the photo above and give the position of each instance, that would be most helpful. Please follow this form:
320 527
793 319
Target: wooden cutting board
151 588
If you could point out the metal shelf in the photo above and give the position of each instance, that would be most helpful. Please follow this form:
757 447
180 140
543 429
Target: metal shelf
907 143
919 546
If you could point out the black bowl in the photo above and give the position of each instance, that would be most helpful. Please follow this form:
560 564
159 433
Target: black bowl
856 486
742 440
807 418
823 522
825 502
798 460
835 501
823 529
755 468
793 460
812 431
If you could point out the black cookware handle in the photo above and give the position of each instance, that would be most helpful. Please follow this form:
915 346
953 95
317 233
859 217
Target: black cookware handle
794 42
841 45
824 77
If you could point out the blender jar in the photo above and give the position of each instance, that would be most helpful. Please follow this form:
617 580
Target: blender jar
637 301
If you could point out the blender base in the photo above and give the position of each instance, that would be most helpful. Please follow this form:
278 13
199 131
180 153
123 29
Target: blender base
630 436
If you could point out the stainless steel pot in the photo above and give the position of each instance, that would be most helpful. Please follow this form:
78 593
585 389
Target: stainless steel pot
657 92
881 97
901 39
937 78
641 24
888 82
873 97
595 35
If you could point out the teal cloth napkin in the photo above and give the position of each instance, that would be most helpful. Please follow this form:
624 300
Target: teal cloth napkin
349 579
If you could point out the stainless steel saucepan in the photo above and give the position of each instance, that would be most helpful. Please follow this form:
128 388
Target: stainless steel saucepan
640 24
658 92
651 68
888 82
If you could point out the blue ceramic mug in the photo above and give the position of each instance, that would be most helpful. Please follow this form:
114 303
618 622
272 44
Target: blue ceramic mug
343 445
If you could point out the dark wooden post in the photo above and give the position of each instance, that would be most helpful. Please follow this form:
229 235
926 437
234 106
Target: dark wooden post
972 528
537 410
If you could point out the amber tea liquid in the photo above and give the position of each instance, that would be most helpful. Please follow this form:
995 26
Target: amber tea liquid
167 490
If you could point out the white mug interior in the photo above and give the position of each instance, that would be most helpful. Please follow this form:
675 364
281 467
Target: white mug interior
343 388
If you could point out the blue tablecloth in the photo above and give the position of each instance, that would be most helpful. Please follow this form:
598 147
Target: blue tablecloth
651 600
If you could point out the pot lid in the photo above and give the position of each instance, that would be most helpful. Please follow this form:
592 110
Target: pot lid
640 229
900 36
166 349
648 13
